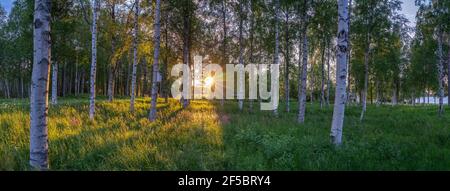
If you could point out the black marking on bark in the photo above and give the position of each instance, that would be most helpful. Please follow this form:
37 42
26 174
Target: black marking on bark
43 61
38 23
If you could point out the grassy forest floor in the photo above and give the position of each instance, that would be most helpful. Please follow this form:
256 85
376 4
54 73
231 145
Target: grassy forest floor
208 137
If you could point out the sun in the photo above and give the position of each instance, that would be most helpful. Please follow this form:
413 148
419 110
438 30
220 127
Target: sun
209 81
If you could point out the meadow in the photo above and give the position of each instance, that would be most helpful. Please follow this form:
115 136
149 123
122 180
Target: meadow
208 136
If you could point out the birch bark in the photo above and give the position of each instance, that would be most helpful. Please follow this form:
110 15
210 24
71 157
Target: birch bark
341 74
39 87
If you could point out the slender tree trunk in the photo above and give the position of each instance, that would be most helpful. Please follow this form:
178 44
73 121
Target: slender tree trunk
251 59
322 82
341 74
224 46
64 80
77 78
82 82
157 27
241 59
120 88
55 84
164 83
378 92
276 60
7 94
135 57
145 83
448 72
21 87
394 95
93 60
366 81
311 93
113 65
304 71
186 57
111 83
440 66
349 54
328 76
287 59
39 88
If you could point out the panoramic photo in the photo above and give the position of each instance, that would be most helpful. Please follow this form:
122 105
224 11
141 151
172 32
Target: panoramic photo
224 85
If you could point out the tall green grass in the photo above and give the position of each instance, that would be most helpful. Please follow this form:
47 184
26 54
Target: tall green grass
207 136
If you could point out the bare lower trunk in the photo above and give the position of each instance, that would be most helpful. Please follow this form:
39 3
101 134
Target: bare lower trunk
7 93
241 61
302 80
328 77
77 79
394 95
251 48
135 57
341 75
322 82
366 81
39 88
186 57
440 66
93 60
157 27
276 60
287 59
224 44
111 83
55 84
378 91
349 53
448 74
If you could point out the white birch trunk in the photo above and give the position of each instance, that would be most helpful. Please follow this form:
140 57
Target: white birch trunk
349 54
135 57
93 60
440 66
55 84
186 55
157 27
366 81
287 59
322 80
276 60
39 88
241 60
341 74
224 44
303 76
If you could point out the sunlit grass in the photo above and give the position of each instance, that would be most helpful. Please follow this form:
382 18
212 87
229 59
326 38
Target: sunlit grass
207 136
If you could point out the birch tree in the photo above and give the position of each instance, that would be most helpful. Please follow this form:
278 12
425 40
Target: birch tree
241 54
341 74
157 28
93 59
276 60
39 88
135 56
440 66
224 43
287 58
304 61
